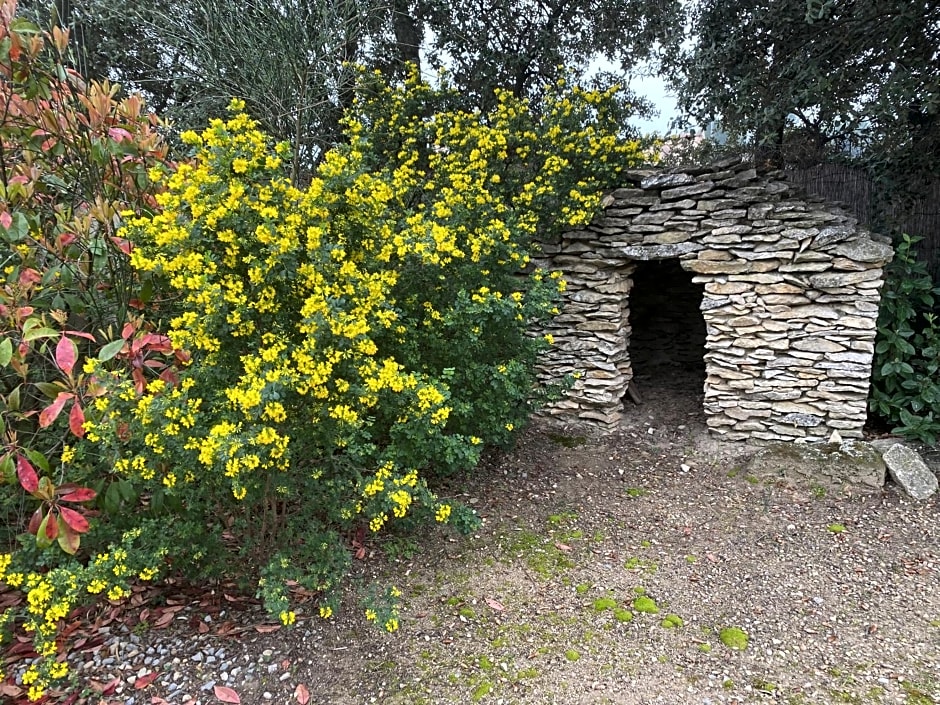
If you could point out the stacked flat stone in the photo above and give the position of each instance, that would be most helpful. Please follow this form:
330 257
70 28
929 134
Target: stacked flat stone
792 288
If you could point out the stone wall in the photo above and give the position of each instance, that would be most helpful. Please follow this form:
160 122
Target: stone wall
790 300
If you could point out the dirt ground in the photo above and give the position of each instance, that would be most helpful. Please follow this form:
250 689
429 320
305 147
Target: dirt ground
613 571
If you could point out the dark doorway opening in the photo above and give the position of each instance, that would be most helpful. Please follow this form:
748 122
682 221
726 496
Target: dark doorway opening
667 338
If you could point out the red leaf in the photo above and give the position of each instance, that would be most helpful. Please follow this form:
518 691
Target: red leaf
81 334
226 695
122 244
302 694
6 220
29 276
52 526
76 521
66 353
51 412
119 134
77 420
143 681
34 521
82 494
29 480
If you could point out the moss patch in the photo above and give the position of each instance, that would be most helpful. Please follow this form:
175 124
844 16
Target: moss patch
623 615
481 691
672 621
734 638
604 603
572 655
646 605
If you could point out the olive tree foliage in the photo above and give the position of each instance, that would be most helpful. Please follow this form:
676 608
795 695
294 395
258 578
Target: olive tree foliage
290 60
806 77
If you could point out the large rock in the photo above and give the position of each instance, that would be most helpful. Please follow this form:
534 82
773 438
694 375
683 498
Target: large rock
851 466
910 472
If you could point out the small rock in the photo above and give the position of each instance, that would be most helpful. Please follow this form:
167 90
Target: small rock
910 472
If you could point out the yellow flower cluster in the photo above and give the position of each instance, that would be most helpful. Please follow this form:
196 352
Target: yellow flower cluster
443 513
50 598
300 283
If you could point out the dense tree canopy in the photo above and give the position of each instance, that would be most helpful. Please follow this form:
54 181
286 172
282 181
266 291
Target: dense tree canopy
860 76
520 45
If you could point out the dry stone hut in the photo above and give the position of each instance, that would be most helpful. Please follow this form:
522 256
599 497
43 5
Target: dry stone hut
773 294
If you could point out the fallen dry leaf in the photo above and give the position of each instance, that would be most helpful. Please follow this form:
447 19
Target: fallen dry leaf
494 604
226 695
302 694
267 628
143 681
105 688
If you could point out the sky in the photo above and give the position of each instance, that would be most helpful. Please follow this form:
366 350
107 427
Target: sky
649 86
654 89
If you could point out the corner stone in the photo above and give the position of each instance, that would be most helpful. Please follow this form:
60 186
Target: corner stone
910 472
850 466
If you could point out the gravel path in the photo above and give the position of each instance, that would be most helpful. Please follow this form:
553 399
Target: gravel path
839 596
